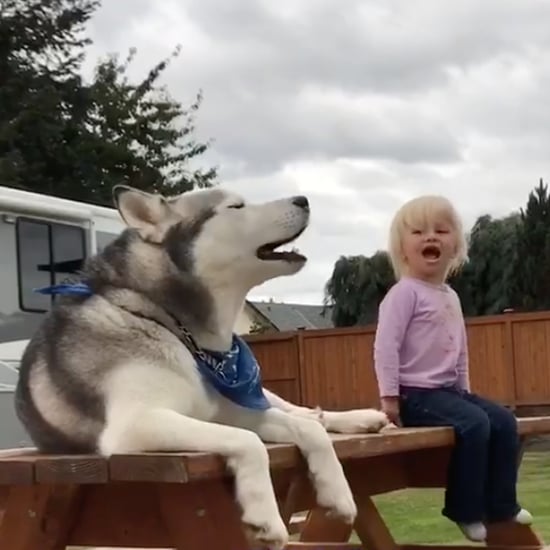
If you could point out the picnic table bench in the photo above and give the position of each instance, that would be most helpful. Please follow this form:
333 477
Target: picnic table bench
185 500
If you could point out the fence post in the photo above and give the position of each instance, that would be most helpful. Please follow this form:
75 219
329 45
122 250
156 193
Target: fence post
299 336
510 355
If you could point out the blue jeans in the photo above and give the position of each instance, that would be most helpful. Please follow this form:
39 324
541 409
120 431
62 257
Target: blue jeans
482 475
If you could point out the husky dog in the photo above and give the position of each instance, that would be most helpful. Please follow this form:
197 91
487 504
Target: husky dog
115 369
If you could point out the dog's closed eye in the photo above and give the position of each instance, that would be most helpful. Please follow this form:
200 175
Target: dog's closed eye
239 205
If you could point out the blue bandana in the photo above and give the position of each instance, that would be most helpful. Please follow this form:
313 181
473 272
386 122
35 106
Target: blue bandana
234 373
79 289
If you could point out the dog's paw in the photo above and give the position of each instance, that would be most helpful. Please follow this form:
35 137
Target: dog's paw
260 514
338 500
265 532
356 421
388 427
263 524
332 488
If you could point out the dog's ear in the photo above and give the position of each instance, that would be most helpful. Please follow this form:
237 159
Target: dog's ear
150 214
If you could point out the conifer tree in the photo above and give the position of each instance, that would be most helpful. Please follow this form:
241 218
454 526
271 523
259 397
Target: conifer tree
67 137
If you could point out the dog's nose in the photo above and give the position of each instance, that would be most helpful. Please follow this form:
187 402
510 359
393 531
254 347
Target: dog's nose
301 202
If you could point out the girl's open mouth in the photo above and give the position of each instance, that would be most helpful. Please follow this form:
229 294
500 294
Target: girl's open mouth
431 252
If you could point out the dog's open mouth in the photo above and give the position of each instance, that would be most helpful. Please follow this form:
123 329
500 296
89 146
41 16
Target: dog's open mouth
431 252
268 251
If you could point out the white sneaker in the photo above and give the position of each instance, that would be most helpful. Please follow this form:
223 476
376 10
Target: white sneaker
523 517
475 532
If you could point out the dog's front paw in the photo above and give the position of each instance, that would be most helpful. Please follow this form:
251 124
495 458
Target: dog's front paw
265 530
260 514
388 427
356 421
337 498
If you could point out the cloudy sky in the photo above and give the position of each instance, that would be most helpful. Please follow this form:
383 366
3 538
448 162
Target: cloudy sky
359 104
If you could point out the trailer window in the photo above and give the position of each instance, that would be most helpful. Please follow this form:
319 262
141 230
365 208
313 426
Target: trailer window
47 253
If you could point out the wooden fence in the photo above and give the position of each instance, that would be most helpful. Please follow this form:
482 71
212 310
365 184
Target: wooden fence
333 368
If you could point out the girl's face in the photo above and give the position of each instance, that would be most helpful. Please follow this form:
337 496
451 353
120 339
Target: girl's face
429 248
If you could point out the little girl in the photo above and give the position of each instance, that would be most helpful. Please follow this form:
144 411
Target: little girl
421 363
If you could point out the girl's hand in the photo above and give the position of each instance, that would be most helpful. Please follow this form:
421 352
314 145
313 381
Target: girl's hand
390 406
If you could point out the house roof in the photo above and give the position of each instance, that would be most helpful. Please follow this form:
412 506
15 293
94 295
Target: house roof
284 316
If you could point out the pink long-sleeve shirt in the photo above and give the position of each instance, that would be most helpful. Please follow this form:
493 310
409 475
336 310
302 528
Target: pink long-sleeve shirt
420 338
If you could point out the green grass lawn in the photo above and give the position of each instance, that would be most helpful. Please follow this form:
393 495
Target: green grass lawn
414 515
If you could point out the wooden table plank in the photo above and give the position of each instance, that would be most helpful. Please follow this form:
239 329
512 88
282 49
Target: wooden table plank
17 466
182 467
79 469
535 425
20 466
170 468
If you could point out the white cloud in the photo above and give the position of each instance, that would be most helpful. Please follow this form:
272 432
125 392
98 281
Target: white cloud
359 105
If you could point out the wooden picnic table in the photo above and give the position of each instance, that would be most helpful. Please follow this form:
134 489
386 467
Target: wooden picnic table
185 500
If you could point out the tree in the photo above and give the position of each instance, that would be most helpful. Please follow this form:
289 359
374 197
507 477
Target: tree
261 326
66 137
532 264
356 288
485 283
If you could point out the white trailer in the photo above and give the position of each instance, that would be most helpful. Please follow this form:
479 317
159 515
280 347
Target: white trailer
43 240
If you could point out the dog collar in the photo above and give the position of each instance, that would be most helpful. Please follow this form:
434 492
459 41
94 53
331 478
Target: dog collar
235 373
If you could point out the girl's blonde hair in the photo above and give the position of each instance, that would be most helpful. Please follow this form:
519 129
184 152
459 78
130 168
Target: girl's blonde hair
420 212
